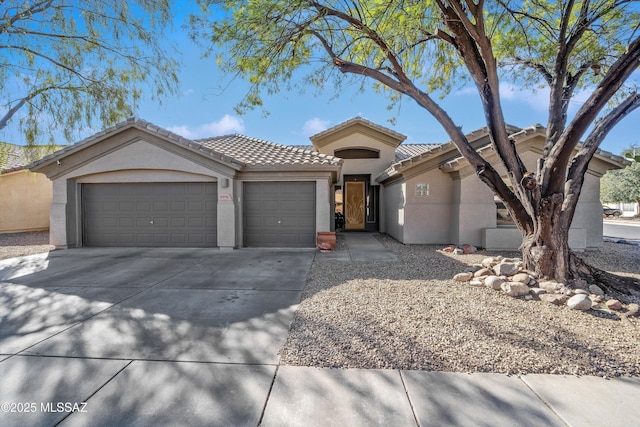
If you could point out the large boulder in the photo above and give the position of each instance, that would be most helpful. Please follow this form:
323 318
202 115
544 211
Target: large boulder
506 269
468 249
550 285
595 289
614 304
463 277
579 302
515 289
494 282
522 278
488 262
483 272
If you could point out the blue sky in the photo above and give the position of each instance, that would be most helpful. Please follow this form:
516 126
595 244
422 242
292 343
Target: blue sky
204 106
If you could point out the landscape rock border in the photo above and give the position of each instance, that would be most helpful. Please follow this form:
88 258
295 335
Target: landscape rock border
508 276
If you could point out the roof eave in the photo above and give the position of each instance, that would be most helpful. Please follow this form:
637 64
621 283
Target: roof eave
143 126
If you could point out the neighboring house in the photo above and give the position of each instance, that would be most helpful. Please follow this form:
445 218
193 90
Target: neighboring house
136 184
25 197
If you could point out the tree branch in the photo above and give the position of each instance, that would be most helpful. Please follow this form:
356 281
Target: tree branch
33 9
371 34
476 51
558 158
51 60
4 120
581 160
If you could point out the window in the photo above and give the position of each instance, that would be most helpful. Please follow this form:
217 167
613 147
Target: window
503 216
373 192
422 190
357 153
338 199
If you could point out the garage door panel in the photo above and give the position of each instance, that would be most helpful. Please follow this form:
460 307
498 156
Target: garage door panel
306 206
178 206
195 238
150 214
289 238
196 206
144 239
144 206
159 222
108 206
161 206
279 214
270 205
289 206
161 239
306 222
123 222
251 205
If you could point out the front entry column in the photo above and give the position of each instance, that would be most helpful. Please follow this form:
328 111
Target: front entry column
323 205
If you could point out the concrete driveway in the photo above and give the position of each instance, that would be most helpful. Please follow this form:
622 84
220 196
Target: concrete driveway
156 337
115 326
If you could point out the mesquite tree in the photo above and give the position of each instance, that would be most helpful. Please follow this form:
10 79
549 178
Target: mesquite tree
67 65
422 49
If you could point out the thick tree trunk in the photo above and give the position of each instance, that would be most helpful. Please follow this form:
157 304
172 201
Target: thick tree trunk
545 249
546 253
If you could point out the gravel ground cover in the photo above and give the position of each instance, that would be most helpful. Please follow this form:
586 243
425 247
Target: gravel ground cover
410 314
20 244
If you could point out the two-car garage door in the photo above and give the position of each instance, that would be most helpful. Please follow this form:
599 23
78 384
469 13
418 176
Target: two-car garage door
150 214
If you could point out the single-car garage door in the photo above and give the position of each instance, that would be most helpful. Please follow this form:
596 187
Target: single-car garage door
150 214
279 214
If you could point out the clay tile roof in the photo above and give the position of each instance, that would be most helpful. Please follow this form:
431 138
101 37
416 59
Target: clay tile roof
405 151
257 152
16 157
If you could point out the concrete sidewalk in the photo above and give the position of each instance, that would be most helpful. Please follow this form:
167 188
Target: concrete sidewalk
357 247
122 392
155 337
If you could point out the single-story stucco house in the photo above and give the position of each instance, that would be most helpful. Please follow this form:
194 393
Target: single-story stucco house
25 196
136 184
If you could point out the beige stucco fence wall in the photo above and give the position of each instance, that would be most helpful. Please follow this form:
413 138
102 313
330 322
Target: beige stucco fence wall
25 198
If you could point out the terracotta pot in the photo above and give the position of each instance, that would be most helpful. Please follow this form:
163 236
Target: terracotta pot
326 241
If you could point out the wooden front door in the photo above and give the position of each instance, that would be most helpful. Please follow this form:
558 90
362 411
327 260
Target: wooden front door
354 207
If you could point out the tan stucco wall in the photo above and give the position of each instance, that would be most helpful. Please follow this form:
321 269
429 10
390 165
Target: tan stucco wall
373 167
473 211
394 210
24 201
460 209
428 219
323 206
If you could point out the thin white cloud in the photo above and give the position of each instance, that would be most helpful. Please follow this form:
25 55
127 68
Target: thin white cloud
226 125
314 126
